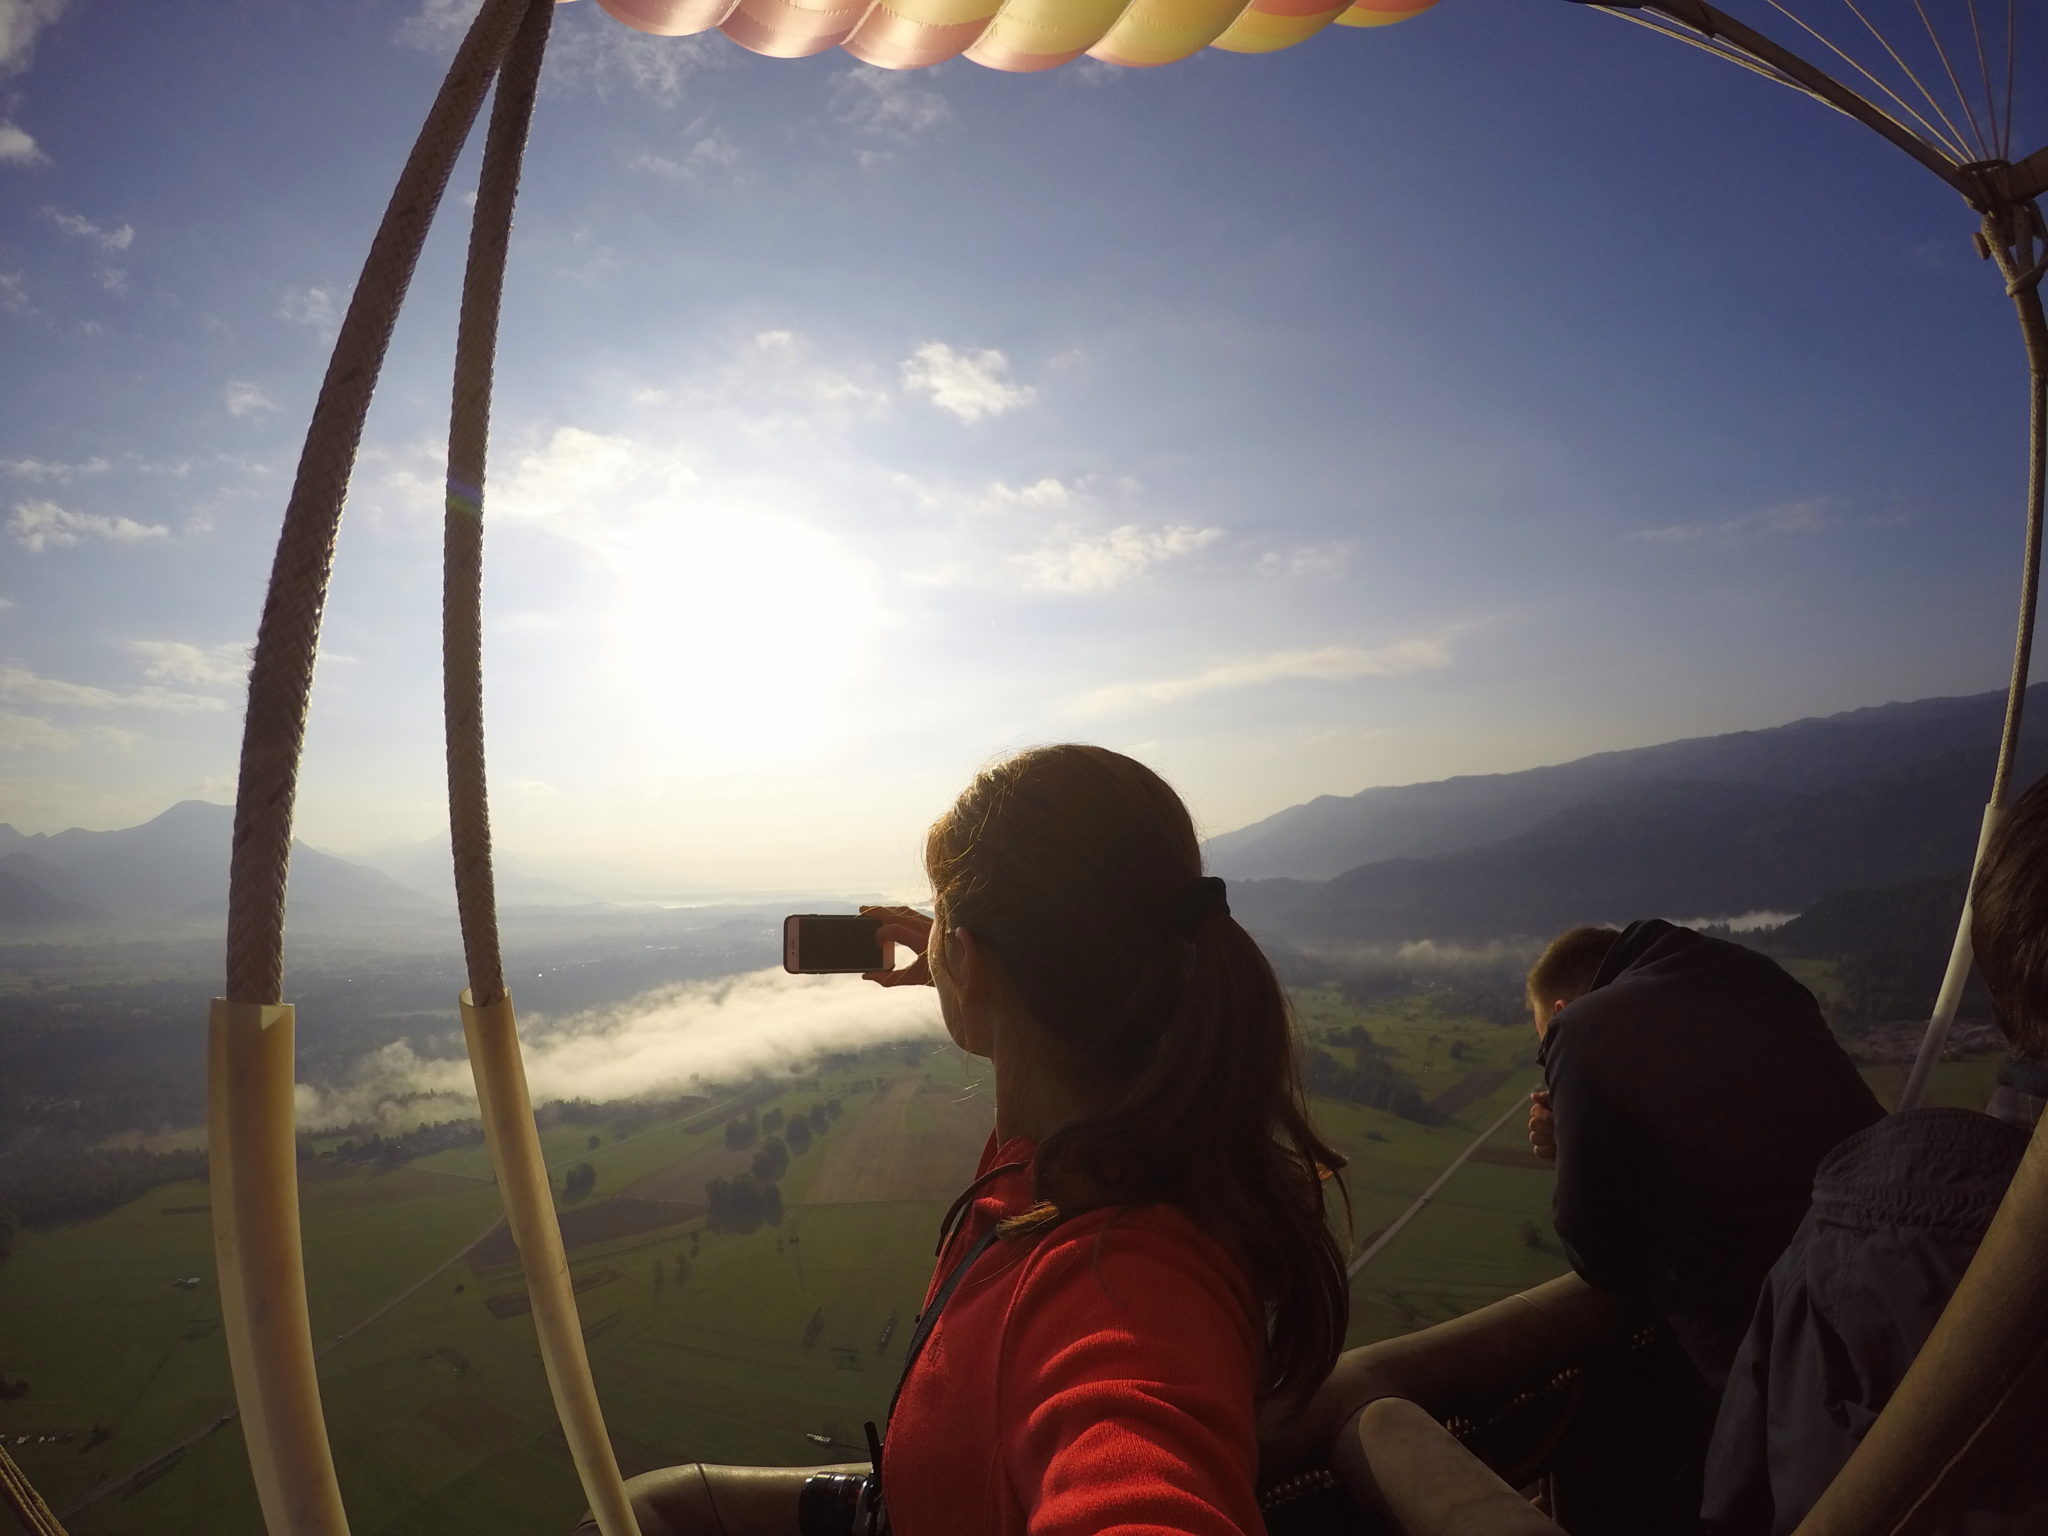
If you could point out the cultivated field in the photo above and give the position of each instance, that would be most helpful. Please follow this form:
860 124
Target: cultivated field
747 1347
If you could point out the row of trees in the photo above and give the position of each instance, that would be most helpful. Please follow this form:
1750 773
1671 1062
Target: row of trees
743 1204
43 1183
1372 1082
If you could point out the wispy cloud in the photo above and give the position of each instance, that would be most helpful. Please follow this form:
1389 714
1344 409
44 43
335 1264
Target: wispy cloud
886 105
1305 560
221 665
244 399
20 685
32 733
706 153
1107 561
118 238
20 22
52 469
17 147
1810 515
14 294
598 54
1323 664
315 307
41 525
968 384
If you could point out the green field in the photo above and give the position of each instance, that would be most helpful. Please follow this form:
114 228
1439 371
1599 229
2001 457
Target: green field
705 1346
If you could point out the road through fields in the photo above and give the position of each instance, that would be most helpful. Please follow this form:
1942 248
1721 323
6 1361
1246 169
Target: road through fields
1392 1230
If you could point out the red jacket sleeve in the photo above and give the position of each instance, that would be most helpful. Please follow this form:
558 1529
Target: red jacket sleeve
1126 1381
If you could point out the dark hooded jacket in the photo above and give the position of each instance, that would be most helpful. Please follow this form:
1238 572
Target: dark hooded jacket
1898 1212
1696 1088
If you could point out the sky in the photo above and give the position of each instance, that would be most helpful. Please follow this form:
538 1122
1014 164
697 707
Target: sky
1452 397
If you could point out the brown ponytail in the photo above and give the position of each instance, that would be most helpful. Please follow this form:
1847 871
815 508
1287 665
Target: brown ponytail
1078 869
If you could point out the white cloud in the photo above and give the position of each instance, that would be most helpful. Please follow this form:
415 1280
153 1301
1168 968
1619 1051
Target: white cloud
1326 664
314 307
1305 560
221 665
50 469
1103 563
20 21
1041 495
968 384
886 105
1810 515
82 228
245 399
17 147
438 24
662 1042
595 54
41 525
19 684
32 733
708 152
775 341
13 295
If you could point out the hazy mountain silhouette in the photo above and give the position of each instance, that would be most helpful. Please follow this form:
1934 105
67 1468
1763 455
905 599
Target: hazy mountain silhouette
1679 849
173 866
27 906
428 866
1329 835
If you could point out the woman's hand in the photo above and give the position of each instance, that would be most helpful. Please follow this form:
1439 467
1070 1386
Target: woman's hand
902 925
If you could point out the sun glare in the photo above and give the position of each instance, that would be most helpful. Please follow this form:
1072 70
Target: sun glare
742 632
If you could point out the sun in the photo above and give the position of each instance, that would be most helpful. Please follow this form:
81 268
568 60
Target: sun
740 631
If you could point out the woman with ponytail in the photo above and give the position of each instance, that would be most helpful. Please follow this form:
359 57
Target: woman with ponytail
1144 1256
1143 1261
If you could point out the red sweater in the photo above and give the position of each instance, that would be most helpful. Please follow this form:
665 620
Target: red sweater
1097 1379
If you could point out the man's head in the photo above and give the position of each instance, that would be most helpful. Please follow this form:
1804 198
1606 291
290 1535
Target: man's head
1565 971
2009 922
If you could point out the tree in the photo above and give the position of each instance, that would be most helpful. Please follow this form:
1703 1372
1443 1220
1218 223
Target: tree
579 1181
799 1135
771 1160
593 1144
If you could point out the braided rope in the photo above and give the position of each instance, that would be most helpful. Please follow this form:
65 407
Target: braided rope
281 673
19 1495
483 284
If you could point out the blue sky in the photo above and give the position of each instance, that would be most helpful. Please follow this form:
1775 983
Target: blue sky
1453 397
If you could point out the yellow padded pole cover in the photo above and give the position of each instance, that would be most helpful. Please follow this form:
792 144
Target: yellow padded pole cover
253 1165
523 1185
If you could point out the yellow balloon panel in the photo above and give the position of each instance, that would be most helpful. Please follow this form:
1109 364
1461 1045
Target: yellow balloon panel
1155 32
1040 34
1261 30
1363 15
1019 35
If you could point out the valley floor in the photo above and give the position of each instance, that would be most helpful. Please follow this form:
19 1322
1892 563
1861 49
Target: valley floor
769 1346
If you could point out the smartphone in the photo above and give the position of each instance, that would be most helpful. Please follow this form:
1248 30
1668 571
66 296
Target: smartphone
814 944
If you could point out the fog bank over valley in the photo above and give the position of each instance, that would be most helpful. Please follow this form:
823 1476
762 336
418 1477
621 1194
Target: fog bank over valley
671 1040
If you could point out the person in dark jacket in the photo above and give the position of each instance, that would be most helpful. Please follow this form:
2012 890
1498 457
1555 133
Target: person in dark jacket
1898 1212
1692 1088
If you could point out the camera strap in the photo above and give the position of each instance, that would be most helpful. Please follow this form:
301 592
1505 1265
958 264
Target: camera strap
873 1519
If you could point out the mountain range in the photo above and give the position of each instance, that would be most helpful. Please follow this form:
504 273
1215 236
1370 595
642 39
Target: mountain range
172 867
1716 826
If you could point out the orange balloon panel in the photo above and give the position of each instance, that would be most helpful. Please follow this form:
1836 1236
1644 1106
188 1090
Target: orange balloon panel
1021 35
